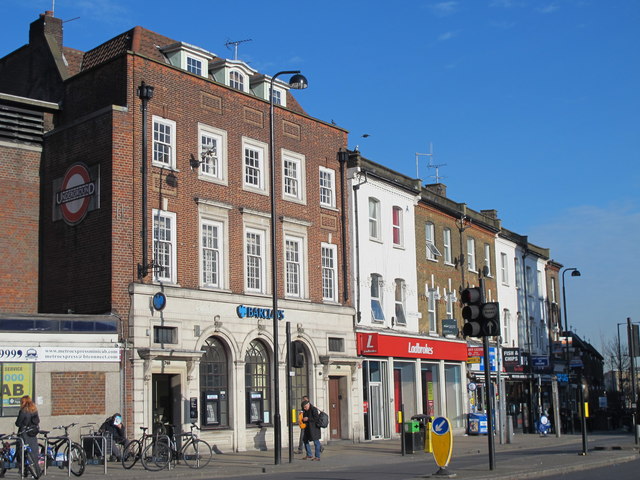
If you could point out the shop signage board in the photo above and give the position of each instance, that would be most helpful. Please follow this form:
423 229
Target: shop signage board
450 326
26 353
540 361
375 344
479 367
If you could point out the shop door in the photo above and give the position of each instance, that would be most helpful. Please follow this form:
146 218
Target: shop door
397 393
335 431
166 401
376 411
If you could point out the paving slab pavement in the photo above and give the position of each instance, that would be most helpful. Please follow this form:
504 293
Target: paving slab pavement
527 456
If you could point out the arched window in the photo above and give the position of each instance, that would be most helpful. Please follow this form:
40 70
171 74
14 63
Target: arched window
214 383
236 80
257 381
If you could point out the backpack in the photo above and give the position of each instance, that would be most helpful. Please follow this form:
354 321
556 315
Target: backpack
323 419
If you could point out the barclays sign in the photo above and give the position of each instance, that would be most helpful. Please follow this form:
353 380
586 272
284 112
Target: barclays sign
257 312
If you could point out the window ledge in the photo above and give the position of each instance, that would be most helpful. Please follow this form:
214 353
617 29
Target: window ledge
211 179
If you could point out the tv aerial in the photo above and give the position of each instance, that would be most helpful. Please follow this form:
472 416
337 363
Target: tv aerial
235 44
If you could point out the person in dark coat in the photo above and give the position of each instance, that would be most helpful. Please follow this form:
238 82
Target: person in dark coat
312 432
114 427
28 423
302 425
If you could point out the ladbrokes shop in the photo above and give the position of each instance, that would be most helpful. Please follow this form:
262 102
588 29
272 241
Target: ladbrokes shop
421 374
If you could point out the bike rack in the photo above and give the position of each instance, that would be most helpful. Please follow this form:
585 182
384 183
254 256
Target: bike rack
19 439
54 462
103 440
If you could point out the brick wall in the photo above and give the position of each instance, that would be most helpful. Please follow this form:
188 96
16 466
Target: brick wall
77 393
19 214
443 274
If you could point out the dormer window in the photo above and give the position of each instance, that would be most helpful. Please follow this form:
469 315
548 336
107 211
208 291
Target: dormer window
236 80
188 57
194 65
277 96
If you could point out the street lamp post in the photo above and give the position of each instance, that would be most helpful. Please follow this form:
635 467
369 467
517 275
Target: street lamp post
297 81
574 273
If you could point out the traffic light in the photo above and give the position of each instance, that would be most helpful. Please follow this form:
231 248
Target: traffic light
297 355
481 319
471 297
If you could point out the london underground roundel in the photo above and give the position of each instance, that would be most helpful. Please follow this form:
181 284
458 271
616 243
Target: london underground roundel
75 193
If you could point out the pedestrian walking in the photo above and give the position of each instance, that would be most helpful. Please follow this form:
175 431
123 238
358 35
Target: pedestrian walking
28 423
312 432
301 424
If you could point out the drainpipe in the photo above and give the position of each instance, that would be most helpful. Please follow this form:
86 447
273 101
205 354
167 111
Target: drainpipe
145 93
362 180
342 158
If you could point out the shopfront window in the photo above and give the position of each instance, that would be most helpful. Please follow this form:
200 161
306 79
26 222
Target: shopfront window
453 390
430 388
257 381
214 384
404 376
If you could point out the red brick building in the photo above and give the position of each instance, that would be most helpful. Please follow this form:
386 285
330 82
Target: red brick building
156 210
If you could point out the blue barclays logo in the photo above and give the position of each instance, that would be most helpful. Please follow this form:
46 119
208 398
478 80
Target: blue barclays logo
257 312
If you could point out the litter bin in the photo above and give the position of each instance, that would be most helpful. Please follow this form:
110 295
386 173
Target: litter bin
413 440
425 427
477 424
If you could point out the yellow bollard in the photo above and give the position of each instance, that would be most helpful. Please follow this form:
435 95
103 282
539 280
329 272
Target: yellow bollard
428 448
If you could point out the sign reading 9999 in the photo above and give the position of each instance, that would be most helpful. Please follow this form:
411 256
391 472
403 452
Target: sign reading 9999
17 381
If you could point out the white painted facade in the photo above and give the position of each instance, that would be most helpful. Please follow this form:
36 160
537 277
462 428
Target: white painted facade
202 315
533 324
379 255
507 290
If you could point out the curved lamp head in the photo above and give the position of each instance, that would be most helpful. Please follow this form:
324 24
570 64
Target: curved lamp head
575 273
298 82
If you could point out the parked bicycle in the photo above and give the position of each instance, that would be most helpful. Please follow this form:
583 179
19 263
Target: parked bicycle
62 452
133 451
10 456
195 453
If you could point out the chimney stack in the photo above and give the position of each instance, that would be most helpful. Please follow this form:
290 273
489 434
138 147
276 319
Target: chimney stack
46 25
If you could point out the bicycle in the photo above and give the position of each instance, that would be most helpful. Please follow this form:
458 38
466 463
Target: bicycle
10 456
194 452
63 452
133 451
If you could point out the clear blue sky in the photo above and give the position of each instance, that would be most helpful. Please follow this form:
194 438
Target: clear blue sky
533 105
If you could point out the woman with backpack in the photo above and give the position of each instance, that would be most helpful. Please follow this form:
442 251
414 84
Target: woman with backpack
28 423
312 432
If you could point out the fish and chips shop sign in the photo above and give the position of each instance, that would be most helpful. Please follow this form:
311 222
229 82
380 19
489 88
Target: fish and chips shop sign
58 354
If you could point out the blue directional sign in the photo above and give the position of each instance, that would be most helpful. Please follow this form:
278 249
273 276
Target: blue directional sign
441 441
440 425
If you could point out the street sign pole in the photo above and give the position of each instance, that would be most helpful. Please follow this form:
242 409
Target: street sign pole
487 383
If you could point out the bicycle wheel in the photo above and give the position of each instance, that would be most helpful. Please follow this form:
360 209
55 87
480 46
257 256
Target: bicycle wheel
31 464
156 456
196 453
77 458
131 454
